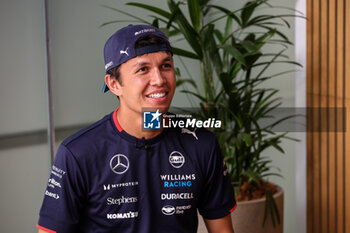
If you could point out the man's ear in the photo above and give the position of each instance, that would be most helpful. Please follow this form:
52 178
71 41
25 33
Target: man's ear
113 85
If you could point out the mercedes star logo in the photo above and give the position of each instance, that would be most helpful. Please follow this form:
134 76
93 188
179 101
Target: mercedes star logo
119 163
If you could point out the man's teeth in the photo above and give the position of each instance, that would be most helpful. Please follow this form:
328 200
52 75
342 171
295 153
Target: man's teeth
156 95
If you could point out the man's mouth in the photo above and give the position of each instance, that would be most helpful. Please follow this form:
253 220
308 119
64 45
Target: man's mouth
157 95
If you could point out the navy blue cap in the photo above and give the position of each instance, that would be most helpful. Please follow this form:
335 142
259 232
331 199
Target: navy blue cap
120 47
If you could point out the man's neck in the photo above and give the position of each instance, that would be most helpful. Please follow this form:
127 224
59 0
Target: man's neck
132 123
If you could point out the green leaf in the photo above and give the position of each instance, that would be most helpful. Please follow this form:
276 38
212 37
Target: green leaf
195 13
247 139
182 81
154 9
235 53
286 40
247 11
127 14
228 13
203 2
184 53
155 23
189 33
250 46
226 81
194 94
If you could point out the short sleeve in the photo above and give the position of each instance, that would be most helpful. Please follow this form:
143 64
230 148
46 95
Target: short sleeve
217 197
64 195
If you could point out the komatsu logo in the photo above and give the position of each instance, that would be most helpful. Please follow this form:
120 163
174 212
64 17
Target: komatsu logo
129 214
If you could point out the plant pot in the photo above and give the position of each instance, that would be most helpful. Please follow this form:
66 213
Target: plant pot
249 215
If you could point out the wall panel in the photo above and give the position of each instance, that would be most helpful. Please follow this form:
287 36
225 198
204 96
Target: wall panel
327 87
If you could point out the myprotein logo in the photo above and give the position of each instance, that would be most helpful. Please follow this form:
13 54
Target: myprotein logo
120 185
176 159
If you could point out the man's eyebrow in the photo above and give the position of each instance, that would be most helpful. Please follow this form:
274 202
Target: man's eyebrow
140 64
169 58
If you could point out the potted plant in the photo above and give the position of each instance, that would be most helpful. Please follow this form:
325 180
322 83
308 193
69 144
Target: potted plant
233 66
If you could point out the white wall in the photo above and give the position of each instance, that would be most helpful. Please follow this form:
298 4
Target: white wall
24 159
22 66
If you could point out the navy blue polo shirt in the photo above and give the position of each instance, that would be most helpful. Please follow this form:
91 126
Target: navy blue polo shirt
105 180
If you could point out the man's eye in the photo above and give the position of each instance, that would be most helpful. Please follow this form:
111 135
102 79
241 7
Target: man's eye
142 69
167 65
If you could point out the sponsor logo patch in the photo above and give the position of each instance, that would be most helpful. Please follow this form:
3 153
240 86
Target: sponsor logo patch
193 133
119 164
57 172
176 159
121 200
120 185
129 214
176 196
53 183
170 210
53 195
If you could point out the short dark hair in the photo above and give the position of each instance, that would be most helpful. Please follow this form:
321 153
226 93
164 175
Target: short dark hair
147 39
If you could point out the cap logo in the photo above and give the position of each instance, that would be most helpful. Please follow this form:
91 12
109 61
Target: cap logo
124 52
109 64
145 30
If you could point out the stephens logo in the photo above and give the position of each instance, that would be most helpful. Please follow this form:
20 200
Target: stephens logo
121 200
151 120
176 159
168 210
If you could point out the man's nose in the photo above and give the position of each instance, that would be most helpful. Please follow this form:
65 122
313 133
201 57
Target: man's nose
157 78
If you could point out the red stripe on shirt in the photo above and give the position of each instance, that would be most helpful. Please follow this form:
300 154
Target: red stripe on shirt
45 229
115 119
233 208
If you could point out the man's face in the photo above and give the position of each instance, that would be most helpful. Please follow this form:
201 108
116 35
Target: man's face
147 81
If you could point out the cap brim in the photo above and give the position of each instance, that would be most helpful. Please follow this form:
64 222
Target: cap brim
105 88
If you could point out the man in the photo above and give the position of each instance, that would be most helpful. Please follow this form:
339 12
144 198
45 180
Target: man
116 177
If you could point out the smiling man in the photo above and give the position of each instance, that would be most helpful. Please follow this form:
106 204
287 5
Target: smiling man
116 177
